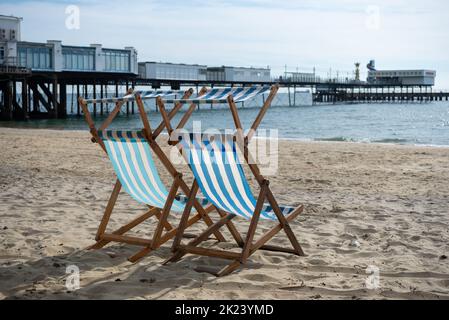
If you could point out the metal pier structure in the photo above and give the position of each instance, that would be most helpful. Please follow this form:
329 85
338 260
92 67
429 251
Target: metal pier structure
26 94
37 95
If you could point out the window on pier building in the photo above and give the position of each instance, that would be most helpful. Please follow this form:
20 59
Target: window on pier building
38 58
2 53
78 58
117 60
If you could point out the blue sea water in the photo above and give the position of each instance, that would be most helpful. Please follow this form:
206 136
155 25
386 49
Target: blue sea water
406 123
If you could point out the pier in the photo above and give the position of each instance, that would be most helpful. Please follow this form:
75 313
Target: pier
366 93
36 95
44 95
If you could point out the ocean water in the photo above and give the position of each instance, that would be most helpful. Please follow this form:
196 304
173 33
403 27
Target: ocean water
399 123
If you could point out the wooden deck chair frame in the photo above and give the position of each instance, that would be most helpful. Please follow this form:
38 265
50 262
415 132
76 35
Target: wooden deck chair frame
248 246
102 237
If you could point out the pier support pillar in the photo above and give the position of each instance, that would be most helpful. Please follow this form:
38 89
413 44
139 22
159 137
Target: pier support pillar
116 90
133 104
62 107
94 92
15 105
6 111
127 103
101 97
25 100
289 97
106 95
54 98
36 106
78 107
294 96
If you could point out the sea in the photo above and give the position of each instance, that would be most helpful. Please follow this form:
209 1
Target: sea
296 118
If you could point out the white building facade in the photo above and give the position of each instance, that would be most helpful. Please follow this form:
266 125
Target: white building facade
238 74
10 34
172 71
57 57
300 77
403 77
54 56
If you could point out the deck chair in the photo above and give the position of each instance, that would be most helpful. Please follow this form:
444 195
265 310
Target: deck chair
131 154
220 177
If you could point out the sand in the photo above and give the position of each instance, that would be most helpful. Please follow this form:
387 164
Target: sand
366 205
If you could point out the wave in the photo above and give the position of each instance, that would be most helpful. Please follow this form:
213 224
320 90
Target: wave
394 141
336 139
367 140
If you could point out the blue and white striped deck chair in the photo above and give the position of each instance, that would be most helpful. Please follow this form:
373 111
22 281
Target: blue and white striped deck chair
132 159
219 175
131 154
131 97
220 95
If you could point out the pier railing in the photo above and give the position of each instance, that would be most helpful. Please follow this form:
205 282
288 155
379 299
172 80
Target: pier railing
12 69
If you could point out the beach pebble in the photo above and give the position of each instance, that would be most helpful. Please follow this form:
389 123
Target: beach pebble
355 244
443 257
152 280
5 228
111 254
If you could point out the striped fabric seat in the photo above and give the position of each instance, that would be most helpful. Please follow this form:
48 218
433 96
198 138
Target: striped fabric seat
133 163
221 178
145 95
221 95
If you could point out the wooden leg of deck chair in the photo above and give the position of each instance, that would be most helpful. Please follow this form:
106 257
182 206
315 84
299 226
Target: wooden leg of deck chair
185 216
131 225
275 230
179 253
205 235
253 226
223 272
166 212
138 256
169 166
203 213
107 214
166 224
232 229
229 269
284 223
259 245
233 265
209 222
165 238
172 233
155 244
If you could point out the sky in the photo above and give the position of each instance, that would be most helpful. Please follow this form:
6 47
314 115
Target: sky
328 35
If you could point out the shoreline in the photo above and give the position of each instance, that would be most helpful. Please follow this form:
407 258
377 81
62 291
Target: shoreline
302 140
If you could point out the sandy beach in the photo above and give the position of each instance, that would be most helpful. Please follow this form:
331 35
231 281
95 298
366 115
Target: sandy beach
366 205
